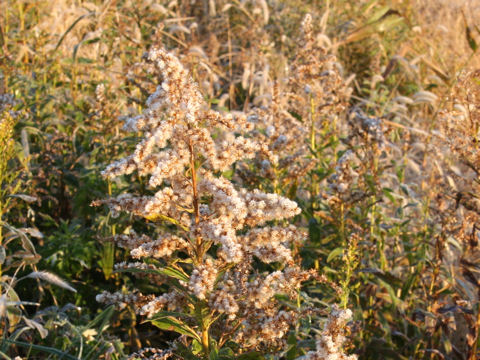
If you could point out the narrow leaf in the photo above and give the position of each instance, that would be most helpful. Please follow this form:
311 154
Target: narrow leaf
175 273
51 278
26 198
334 253
49 350
102 319
471 41
70 28
171 324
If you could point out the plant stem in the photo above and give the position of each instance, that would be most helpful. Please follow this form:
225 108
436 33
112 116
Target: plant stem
195 200
199 251
205 342
312 130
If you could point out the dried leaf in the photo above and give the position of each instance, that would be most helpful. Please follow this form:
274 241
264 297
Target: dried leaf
35 325
26 198
33 232
51 278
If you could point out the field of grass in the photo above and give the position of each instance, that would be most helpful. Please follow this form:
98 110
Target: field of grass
239 179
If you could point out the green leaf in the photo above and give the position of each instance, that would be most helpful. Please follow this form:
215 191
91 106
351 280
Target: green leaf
379 14
84 60
175 273
143 271
196 347
292 191
71 27
334 253
2 40
292 349
107 258
226 353
213 355
408 284
102 319
314 233
168 271
471 41
185 352
171 324
396 302
254 355
386 276
390 279
388 193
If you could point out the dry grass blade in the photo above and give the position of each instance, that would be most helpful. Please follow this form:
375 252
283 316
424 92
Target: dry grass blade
51 278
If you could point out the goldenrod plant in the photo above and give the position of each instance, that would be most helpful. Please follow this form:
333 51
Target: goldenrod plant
215 295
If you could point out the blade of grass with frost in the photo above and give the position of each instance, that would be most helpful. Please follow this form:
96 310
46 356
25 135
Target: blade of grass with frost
47 349
50 278
24 197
